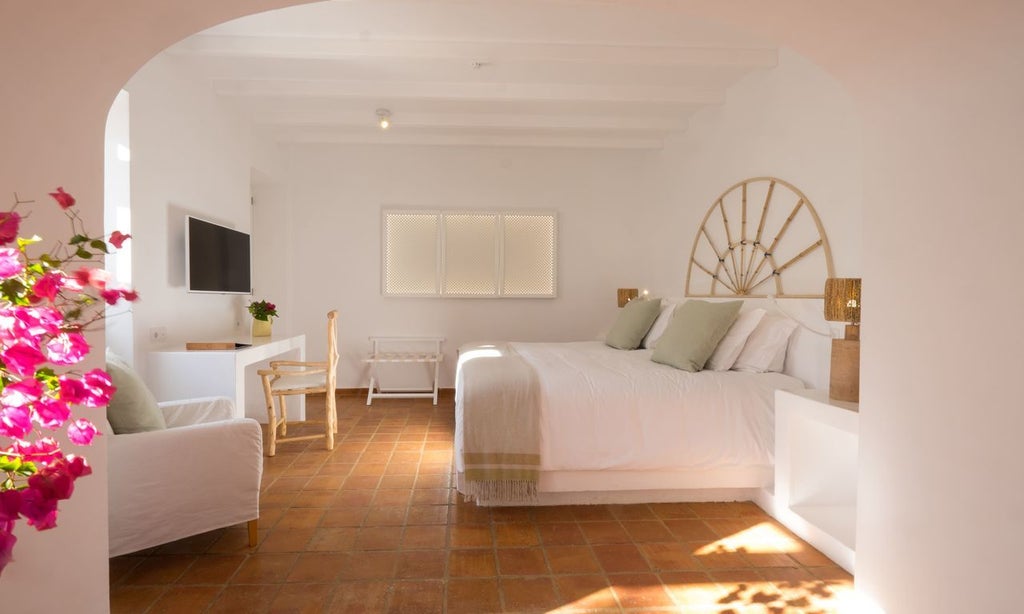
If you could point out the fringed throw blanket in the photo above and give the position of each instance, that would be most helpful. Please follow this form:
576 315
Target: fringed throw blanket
500 403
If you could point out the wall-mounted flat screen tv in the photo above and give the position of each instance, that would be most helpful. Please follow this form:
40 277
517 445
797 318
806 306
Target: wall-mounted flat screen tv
218 259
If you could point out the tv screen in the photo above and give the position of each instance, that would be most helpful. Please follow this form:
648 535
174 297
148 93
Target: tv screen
217 258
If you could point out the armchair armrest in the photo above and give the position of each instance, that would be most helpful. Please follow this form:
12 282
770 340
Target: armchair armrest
197 411
177 482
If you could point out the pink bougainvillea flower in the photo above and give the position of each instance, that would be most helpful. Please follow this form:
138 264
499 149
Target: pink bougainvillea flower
15 422
72 390
21 394
38 508
10 505
77 466
88 276
98 388
40 320
111 296
10 263
48 286
28 324
10 221
81 432
7 541
130 295
54 482
65 200
50 413
22 358
41 451
117 238
67 349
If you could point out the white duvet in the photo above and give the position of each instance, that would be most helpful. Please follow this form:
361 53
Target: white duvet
603 408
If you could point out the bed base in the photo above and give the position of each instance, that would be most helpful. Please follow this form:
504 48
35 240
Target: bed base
630 487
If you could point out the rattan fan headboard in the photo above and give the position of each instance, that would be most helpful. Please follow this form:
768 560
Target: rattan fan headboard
730 258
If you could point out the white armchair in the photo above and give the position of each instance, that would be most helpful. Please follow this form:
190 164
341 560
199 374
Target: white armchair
199 474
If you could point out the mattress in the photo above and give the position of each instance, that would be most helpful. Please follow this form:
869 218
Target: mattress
606 409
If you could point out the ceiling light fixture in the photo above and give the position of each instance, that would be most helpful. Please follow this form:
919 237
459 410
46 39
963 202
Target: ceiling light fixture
383 118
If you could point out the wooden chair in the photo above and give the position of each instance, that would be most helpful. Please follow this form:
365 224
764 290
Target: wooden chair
290 377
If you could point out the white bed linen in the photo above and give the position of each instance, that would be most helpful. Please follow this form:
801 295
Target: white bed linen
607 409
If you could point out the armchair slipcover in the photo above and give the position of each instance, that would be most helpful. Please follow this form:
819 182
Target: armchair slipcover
200 473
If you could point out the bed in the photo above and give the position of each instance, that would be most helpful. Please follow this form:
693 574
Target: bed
607 425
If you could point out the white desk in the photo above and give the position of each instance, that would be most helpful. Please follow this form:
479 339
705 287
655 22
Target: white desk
177 373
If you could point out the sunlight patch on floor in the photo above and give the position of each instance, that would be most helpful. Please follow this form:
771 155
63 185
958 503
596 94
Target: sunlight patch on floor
761 538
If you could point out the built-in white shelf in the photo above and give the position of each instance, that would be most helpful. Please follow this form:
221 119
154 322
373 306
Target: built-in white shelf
816 471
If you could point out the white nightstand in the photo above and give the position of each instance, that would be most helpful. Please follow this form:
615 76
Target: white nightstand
816 471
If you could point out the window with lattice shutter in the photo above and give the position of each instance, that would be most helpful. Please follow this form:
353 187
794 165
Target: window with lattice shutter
529 255
469 253
410 253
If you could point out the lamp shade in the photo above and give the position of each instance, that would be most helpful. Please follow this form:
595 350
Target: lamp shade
842 299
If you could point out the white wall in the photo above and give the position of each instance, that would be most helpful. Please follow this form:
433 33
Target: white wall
331 258
190 156
794 122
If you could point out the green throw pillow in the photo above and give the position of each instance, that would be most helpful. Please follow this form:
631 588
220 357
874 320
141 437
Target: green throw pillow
633 322
133 408
694 333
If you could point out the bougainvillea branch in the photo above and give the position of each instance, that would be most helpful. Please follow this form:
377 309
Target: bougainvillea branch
46 304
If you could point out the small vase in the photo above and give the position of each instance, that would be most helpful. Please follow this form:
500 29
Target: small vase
260 328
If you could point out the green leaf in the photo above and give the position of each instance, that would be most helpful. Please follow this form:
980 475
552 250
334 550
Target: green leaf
83 253
99 245
22 241
75 240
13 290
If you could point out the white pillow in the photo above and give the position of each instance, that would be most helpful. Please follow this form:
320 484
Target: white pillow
765 349
731 345
659 326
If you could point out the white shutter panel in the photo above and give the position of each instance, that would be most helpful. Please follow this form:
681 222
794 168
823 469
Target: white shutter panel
529 255
410 253
470 254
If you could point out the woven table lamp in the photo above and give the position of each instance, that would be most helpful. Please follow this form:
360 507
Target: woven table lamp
842 304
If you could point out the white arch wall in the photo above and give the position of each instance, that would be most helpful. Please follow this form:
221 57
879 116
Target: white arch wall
938 88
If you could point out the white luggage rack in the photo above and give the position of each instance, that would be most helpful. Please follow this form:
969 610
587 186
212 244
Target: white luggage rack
396 350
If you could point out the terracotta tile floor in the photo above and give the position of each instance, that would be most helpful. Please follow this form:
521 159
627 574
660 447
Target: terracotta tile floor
376 526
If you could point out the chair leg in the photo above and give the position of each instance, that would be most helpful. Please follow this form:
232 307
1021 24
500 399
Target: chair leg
271 417
283 401
330 421
253 532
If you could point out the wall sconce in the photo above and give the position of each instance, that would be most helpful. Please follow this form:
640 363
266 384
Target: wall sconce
627 294
842 304
383 118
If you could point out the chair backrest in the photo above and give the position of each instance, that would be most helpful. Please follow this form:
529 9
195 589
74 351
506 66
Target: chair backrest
332 350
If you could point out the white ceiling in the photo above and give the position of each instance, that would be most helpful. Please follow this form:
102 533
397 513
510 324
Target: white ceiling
563 73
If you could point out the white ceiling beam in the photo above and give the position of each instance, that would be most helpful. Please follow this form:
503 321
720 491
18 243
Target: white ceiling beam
475 51
384 92
468 140
643 123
